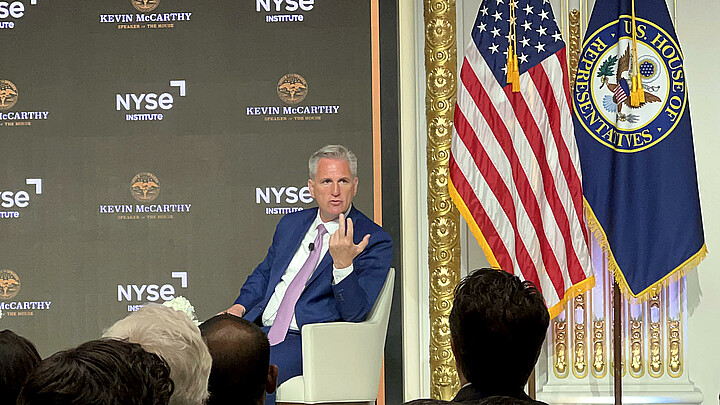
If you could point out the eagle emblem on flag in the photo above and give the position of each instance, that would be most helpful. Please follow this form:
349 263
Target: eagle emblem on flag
605 73
621 88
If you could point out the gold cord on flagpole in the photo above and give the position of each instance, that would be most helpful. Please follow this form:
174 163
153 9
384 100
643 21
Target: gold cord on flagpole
509 63
637 94
516 67
512 67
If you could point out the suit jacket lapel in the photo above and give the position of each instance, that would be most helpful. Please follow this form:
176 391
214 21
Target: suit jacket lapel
288 251
325 265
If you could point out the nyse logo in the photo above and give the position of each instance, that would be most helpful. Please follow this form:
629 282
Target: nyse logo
282 195
18 199
150 292
279 195
15 9
148 102
284 6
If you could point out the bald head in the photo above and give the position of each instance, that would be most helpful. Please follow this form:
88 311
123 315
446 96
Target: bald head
241 371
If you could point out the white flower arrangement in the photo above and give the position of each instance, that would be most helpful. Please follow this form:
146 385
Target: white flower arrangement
182 304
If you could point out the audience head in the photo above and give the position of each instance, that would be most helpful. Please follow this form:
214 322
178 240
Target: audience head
18 357
173 336
501 400
241 371
501 321
99 372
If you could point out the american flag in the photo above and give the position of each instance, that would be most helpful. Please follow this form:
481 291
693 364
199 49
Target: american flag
514 166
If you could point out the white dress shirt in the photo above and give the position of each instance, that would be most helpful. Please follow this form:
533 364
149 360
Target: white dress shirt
302 254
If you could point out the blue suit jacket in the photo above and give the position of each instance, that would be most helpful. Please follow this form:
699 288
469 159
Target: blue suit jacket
321 301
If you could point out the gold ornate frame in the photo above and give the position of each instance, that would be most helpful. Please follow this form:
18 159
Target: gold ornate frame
444 219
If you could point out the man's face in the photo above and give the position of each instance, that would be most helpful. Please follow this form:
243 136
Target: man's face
333 187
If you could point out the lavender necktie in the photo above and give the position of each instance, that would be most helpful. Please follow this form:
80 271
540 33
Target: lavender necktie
286 310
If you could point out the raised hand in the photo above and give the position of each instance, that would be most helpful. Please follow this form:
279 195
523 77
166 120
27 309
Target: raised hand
342 247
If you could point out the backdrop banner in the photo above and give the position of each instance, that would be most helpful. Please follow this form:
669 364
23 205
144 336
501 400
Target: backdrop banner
149 147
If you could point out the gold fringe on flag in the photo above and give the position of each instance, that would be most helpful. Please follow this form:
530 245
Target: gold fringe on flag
572 292
474 228
673 276
555 310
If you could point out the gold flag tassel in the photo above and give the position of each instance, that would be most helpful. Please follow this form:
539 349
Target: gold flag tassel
637 93
511 68
516 73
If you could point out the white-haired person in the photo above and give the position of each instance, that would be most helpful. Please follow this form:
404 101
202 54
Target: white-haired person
172 335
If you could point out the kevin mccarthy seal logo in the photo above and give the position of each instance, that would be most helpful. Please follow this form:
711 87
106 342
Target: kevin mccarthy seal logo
145 6
145 19
292 88
9 284
145 187
8 95
605 74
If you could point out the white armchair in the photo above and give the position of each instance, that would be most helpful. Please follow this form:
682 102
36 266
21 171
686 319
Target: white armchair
342 360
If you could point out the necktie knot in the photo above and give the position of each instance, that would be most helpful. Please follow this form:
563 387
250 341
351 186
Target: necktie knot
321 230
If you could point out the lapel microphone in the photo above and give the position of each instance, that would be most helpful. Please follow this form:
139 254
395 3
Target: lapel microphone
312 246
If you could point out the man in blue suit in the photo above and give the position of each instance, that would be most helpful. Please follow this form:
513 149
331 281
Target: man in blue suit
337 257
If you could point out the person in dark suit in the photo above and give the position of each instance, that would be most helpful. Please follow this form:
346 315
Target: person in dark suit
325 264
497 327
241 372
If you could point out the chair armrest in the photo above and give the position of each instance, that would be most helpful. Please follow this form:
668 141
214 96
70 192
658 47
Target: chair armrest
342 351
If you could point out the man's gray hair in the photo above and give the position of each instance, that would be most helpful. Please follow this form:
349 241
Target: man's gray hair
173 336
333 152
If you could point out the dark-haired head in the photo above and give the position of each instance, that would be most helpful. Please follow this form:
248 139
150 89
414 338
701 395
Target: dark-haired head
498 325
503 400
100 372
241 372
18 357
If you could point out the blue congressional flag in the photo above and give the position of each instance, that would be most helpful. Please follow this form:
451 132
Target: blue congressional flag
632 124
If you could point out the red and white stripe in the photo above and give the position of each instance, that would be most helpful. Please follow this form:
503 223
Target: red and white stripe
514 163
619 93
